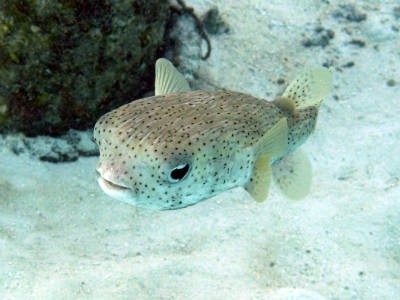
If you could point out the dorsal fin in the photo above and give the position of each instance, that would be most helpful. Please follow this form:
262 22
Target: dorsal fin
168 79
309 88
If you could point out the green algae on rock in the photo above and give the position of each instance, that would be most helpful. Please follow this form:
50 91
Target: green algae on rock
66 62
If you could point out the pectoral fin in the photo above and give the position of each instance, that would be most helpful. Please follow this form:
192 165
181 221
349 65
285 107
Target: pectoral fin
260 179
168 79
275 140
272 144
293 174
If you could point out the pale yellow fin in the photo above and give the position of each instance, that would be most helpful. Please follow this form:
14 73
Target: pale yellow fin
260 179
293 175
309 88
275 141
168 79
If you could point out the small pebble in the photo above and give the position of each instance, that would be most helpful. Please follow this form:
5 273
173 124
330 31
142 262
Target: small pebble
359 43
391 82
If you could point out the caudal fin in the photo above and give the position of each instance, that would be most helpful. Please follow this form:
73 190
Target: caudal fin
309 88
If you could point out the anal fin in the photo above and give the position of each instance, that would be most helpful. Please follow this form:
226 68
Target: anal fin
260 179
292 174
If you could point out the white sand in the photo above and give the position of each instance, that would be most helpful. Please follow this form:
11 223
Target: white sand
62 238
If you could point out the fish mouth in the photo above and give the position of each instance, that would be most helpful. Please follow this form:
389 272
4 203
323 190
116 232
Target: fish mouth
110 185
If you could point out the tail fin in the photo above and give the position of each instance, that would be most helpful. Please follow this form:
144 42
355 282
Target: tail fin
308 89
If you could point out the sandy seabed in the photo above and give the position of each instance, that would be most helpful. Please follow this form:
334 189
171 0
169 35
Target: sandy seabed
62 238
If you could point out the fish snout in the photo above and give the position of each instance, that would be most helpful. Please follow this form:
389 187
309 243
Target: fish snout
112 176
111 181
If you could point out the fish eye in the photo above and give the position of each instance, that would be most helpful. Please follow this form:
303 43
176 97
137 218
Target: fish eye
179 173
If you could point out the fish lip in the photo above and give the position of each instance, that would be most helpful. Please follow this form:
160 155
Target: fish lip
110 184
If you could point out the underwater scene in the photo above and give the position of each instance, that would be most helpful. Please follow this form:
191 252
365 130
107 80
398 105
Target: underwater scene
200 149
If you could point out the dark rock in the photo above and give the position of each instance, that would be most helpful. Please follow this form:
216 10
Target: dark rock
357 42
391 82
280 81
66 62
320 37
59 155
213 22
328 64
52 149
350 64
350 13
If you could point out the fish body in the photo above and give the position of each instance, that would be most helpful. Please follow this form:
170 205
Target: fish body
180 146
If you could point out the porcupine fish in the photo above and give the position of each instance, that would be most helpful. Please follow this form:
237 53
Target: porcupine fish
180 147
